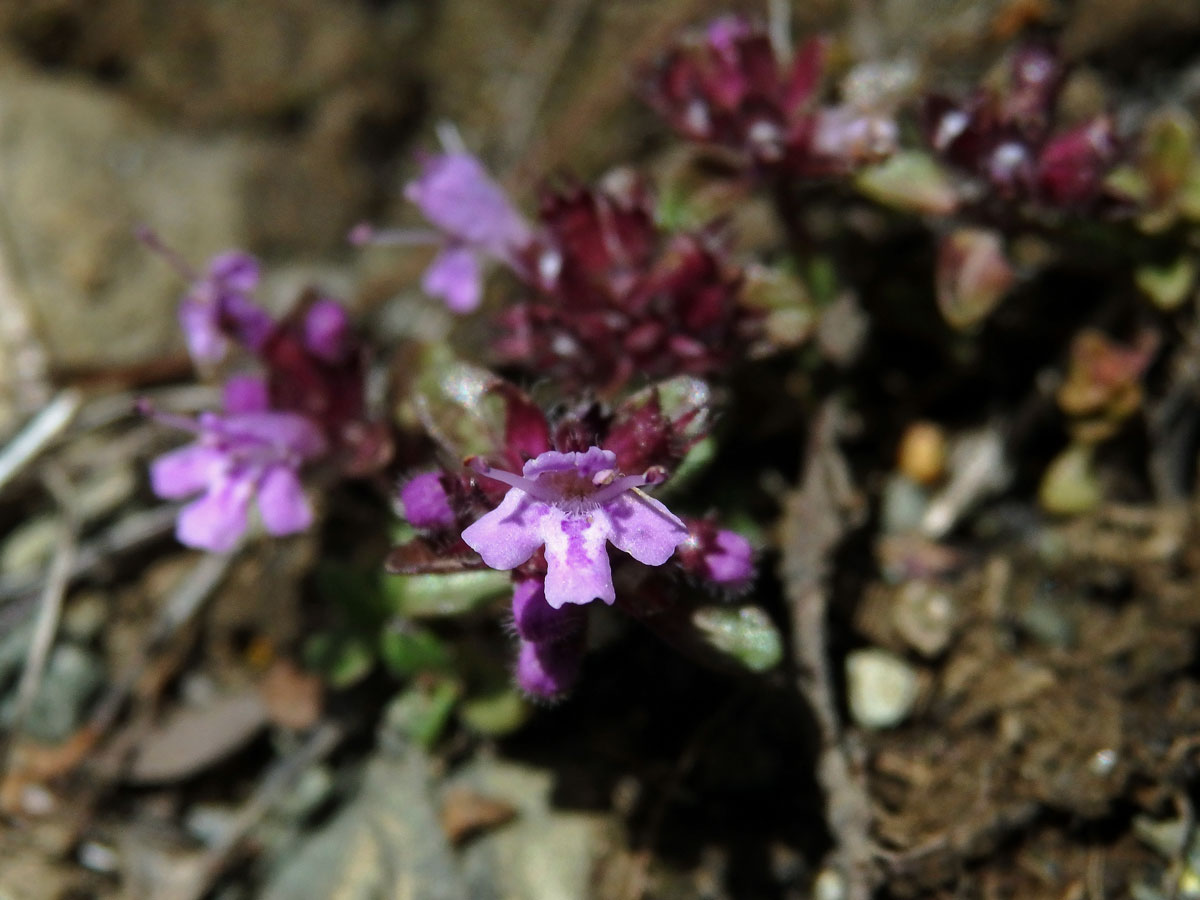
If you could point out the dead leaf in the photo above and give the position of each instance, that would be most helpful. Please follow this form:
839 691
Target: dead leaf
466 813
294 698
193 739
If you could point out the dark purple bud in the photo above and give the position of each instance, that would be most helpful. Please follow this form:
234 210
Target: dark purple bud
327 330
1072 166
536 620
549 669
716 554
426 504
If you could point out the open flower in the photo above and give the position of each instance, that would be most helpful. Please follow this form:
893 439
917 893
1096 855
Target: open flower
477 221
246 452
574 503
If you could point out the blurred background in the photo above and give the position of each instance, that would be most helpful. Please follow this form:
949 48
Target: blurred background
275 126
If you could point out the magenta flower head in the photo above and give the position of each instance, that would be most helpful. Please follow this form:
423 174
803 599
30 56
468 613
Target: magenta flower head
218 306
717 555
426 503
246 452
477 221
574 504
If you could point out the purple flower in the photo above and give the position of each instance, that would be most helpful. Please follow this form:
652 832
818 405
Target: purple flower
426 504
476 219
730 560
717 555
551 641
248 451
574 503
218 306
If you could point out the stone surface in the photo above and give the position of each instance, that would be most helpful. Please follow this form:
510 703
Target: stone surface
83 168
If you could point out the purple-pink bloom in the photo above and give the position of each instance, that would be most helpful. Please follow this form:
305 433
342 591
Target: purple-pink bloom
237 456
425 502
574 504
730 560
551 640
477 220
218 305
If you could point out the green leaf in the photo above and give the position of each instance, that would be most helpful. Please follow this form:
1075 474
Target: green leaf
419 713
454 403
745 633
1167 286
496 713
909 181
407 649
342 659
428 596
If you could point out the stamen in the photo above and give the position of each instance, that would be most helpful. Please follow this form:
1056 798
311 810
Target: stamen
365 233
653 475
146 407
528 485
150 238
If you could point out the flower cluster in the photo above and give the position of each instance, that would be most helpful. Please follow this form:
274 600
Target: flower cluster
579 489
308 404
1004 134
614 295
609 294
728 86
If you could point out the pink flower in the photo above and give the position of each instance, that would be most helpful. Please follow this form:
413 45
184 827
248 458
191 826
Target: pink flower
574 504
218 306
245 453
477 221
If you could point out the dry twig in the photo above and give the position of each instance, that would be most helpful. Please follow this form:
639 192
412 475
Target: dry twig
816 519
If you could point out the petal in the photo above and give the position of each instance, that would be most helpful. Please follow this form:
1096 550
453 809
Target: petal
455 277
510 533
456 193
217 520
246 394
577 564
281 501
235 269
183 472
644 528
201 331
285 432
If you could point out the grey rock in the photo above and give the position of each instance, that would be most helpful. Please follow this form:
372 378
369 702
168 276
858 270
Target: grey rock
83 168
544 853
71 679
385 843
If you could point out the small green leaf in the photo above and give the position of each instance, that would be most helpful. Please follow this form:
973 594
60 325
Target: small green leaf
496 713
1167 286
428 596
909 181
342 659
419 713
745 633
407 649
1070 485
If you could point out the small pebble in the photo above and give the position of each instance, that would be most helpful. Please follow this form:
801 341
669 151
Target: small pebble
922 453
882 688
924 617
